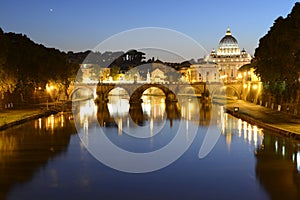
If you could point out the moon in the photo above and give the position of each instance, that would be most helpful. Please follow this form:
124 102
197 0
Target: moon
51 10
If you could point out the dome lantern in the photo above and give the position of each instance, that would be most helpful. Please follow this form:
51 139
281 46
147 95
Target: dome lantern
228 32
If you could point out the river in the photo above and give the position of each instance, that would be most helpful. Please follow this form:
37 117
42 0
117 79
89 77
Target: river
47 159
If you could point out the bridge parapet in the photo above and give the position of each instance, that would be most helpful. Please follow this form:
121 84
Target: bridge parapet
171 90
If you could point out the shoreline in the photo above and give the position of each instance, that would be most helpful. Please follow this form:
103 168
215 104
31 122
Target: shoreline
26 119
286 127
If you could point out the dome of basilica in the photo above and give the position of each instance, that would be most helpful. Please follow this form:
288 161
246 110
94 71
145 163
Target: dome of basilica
228 44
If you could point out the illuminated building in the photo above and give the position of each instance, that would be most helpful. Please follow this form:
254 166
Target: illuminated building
92 73
229 57
158 75
246 73
203 72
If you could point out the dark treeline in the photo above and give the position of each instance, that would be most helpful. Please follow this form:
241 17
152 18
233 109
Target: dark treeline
121 62
277 59
26 66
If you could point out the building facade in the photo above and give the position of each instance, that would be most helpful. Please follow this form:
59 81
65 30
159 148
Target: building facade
229 58
203 72
157 76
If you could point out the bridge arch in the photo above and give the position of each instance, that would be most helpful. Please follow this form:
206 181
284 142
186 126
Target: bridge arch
110 90
226 90
136 95
82 92
187 89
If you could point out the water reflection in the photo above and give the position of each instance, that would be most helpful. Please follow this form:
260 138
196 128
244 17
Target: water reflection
152 109
277 167
25 148
246 163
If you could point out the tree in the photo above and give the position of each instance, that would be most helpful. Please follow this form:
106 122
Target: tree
114 72
277 56
25 66
8 81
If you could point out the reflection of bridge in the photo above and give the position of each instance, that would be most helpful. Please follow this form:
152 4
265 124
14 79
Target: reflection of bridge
171 90
136 114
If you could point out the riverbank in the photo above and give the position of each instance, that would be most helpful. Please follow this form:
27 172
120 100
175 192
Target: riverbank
9 118
284 124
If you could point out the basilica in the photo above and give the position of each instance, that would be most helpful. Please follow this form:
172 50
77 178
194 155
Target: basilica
229 58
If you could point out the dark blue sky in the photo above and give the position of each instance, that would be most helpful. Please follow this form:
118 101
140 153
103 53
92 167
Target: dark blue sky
79 25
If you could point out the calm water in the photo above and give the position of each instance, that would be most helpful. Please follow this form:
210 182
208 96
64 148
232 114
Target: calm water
46 159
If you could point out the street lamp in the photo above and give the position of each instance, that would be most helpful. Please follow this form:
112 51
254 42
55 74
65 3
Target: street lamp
255 87
49 89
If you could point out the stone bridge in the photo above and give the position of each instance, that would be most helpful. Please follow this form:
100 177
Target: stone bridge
101 91
84 89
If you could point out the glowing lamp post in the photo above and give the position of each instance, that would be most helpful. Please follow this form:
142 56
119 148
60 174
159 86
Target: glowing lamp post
49 89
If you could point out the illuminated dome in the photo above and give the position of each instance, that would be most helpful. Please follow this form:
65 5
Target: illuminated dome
228 45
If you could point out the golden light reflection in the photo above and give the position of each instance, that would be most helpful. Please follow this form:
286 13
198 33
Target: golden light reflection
7 144
87 110
249 133
245 125
151 126
223 120
62 120
240 127
187 129
40 123
245 133
120 126
154 106
50 123
86 126
118 108
147 107
298 161
255 135
228 141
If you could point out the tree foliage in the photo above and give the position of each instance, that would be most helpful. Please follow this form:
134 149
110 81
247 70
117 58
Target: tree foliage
8 81
277 58
25 65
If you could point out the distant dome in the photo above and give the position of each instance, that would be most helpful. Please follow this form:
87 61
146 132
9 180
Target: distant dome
228 44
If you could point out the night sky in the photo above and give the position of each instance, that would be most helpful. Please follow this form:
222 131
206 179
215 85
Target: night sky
79 25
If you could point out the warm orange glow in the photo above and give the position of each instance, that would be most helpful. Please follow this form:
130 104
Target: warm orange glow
240 76
50 87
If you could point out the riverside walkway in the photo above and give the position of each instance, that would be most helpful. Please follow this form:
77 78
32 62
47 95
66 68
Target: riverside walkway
9 118
285 124
12 117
